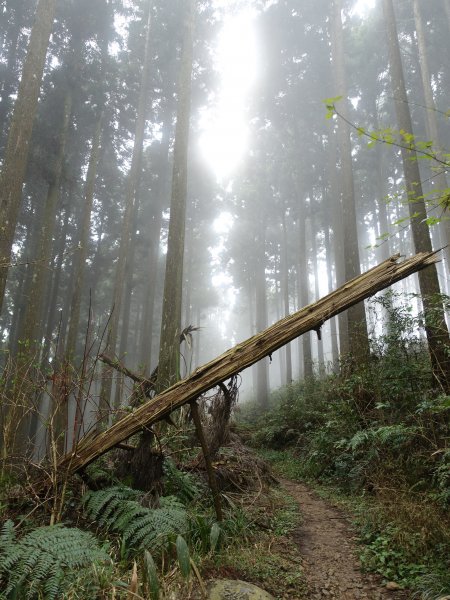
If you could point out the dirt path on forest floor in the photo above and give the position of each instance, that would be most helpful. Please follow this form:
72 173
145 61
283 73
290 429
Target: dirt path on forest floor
327 544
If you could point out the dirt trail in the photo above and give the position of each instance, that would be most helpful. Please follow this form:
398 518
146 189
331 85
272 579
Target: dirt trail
326 542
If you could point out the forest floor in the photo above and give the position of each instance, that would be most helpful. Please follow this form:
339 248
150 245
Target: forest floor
302 547
327 546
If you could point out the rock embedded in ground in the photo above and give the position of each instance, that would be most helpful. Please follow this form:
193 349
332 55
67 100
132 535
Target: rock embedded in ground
229 589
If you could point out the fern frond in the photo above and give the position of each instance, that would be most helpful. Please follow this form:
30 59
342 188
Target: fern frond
38 564
140 527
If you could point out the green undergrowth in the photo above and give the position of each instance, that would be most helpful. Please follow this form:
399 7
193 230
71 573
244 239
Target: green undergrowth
259 548
375 436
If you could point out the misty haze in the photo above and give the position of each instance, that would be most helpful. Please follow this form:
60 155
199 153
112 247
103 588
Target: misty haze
224 259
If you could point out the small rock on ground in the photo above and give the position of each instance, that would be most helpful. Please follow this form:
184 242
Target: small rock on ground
228 589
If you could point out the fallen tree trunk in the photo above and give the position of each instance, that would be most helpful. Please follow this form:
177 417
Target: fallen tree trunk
244 355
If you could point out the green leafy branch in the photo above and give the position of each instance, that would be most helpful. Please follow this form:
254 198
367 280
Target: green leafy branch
401 139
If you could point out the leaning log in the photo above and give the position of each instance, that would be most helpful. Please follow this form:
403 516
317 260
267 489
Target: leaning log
244 355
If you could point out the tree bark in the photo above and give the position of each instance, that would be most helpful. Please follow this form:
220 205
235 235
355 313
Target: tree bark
433 130
83 243
133 176
169 352
18 145
358 341
435 326
285 293
244 355
303 291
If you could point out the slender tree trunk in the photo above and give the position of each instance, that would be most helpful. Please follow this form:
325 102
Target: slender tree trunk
337 227
169 351
82 248
133 176
52 316
145 352
16 155
358 342
262 375
9 80
447 11
303 292
126 315
32 328
435 326
285 293
333 327
320 354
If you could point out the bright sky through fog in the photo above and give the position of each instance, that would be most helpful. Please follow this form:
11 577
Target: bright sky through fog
225 131
363 7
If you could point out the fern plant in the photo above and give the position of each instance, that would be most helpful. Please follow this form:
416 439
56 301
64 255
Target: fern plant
181 484
118 510
46 562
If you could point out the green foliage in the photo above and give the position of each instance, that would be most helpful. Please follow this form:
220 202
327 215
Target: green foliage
46 562
118 510
382 555
214 536
377 430
183 556
178 483
151 576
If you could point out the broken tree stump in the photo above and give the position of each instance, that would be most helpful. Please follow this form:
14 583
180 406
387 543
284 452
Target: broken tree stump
244 355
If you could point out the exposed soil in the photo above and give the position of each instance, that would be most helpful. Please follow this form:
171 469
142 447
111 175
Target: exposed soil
327 545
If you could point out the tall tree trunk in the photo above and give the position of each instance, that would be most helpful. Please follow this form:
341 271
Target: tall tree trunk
133 176
337 227
17 148
303 291
83 244
9 80
262 375
32 327
333 327
145 351
358 341
285 292
128 297
52 316
439 177
169 350
447 11
435 326
320 354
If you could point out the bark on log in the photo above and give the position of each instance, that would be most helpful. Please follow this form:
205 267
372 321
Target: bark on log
246 354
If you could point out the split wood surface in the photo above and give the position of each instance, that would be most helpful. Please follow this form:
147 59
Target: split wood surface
244 355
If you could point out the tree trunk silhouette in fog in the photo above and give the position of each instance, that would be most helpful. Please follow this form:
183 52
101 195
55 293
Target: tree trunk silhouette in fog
18 145
162 192
132 179
355 339
285 291
303 289
262 375
32 326
320 355
169 350
447 11
433 130
333 327
435 326
9 80
83 243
